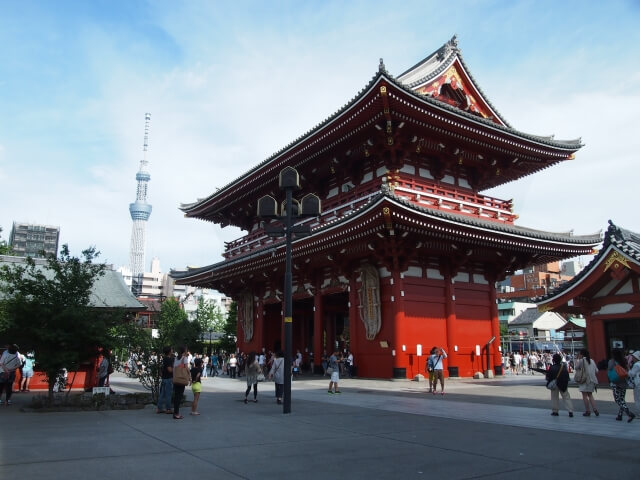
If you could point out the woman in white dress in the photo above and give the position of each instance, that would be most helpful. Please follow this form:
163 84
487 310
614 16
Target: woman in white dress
588 370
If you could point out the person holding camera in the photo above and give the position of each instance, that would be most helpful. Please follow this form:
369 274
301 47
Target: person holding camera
437 358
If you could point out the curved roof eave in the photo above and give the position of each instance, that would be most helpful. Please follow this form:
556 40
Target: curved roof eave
570 145
436 215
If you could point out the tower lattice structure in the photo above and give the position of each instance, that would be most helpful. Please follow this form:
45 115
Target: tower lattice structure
140 212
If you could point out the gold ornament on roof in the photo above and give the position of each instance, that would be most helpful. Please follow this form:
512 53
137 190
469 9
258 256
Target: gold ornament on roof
616 260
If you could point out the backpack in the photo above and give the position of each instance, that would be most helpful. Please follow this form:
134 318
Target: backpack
617 374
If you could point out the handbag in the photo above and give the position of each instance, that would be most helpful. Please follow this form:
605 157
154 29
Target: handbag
553 384
261 377
581 375
181 375
329 370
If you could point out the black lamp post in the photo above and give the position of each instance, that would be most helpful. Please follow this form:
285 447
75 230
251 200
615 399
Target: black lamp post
268 208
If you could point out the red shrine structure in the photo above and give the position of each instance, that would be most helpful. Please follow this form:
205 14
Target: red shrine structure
407 250
607 293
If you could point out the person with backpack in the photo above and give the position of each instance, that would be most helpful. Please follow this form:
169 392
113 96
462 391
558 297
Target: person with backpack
437 357
9 363
617 371
430 371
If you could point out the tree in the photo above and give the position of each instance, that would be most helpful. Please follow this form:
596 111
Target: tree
209 316
228 341
173 329
47 309
4 248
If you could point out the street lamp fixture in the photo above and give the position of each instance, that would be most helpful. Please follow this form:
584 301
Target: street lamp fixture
290 209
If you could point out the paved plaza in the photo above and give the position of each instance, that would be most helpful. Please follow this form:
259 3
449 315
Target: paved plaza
498 428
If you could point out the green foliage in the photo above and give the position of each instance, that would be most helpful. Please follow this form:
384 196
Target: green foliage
173 329
47 310
5 249
209 316
230 329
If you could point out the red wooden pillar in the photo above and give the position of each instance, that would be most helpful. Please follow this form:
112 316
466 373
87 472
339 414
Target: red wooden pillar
450 329
596 342
318 316
496 356
401 358
354 317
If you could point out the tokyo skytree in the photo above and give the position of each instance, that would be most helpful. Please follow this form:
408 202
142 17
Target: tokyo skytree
140 211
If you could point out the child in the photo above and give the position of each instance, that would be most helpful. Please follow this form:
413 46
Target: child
196 385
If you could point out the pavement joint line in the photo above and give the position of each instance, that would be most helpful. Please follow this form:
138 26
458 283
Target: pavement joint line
178 449
527 417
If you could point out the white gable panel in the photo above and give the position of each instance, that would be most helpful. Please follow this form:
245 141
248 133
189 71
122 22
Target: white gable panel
614 308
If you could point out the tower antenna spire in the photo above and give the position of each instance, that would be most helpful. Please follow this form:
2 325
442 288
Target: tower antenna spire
140 212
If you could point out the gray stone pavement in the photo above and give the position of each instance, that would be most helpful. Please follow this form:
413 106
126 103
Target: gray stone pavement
375 429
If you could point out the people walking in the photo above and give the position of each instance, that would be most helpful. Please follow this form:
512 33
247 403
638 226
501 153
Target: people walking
559 373
9 363
182 361
634 376
334 370
619 383
27 372
252 370
277 373
196 384
166 382
586 370
233 363
438 368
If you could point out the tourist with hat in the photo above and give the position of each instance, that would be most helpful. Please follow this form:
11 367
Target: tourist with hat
634 378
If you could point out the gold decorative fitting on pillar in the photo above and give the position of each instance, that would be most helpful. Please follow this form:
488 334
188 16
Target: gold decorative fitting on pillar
389 140
383 90
460 160
497 172
366 152
388 126
386 110
418 149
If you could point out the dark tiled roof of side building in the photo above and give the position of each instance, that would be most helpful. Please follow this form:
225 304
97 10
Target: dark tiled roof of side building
624 240
527 317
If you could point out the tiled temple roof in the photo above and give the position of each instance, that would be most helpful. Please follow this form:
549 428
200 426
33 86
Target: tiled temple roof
625 241
385 192
382 74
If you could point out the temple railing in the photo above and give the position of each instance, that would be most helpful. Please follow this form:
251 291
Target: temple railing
450 198
420 192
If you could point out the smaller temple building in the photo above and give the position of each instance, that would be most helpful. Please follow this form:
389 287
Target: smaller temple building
607 293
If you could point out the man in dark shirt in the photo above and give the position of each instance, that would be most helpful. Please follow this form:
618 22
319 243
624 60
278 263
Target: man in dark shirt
166 384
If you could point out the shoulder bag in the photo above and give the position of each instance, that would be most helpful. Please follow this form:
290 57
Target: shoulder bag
581 373
553 384
181 375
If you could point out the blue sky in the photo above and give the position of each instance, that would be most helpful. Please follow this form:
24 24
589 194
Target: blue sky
229 83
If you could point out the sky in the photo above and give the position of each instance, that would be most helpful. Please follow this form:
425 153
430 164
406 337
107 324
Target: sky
229 83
